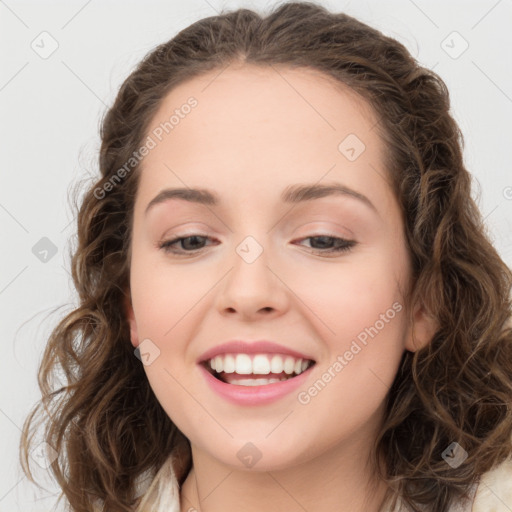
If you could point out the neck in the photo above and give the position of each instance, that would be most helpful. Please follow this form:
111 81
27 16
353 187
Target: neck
337 480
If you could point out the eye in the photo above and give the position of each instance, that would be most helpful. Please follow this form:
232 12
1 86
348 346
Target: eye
326 244
330 244
189 244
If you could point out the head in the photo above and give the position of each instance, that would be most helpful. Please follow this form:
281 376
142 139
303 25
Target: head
258 109
255 275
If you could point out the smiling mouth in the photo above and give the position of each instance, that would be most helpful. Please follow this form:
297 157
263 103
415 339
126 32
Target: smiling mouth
255 379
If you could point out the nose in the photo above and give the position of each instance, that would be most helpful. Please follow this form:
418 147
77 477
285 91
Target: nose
251 288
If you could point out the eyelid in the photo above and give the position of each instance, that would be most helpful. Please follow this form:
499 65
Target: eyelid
318 227
312 229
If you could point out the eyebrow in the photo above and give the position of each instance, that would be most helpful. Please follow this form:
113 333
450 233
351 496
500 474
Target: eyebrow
292 194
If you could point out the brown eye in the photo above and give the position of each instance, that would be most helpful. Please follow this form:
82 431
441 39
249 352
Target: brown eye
189 243
330 244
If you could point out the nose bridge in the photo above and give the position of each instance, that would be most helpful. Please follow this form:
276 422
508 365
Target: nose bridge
250 249
250 267
251 285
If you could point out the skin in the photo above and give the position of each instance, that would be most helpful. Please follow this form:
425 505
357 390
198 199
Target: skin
254 132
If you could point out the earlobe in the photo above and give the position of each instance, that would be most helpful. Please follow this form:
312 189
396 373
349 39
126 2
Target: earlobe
130 316
422 330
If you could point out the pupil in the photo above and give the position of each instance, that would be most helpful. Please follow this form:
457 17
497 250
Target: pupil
185 240
324 241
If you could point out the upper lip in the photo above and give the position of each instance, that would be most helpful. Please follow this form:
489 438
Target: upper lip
250 347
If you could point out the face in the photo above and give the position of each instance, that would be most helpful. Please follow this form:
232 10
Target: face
261 267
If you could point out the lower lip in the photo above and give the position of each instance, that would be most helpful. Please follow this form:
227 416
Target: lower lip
254 395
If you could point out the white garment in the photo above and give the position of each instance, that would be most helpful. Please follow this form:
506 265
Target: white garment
493 493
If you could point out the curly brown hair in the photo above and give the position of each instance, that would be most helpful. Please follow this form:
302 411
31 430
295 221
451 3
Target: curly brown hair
107 426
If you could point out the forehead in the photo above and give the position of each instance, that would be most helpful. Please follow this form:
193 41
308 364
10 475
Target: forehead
260 128
271 98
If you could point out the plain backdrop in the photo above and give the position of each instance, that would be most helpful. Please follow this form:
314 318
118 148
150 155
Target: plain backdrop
61 66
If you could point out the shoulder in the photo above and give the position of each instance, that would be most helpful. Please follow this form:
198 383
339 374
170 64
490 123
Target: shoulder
494 492
163 493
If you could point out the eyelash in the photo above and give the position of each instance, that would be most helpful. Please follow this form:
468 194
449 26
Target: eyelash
345 245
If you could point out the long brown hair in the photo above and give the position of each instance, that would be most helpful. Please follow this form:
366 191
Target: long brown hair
106 424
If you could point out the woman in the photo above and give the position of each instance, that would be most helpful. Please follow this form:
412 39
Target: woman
338 340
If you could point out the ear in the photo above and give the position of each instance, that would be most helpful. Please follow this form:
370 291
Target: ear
422 330
130 316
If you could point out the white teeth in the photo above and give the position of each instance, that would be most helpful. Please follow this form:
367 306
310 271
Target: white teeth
243 365
289 365
219 367
259 364
276 365
255 382
229 363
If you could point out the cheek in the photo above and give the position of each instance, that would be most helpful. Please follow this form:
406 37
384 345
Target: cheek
162 295
365 319
163 304
350 296
359 312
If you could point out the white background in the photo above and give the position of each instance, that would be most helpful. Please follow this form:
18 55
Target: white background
50 111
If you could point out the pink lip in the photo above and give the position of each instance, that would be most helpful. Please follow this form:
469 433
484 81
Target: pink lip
253 347
254 395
